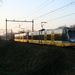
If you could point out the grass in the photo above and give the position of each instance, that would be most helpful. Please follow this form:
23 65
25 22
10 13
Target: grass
21 58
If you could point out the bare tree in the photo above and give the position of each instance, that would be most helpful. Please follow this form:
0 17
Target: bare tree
64 26
72 26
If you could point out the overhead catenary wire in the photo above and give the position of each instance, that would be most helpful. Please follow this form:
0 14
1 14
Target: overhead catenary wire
34 12
59 17
28 14
55 10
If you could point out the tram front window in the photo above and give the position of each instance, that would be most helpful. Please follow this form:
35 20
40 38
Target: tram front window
71 35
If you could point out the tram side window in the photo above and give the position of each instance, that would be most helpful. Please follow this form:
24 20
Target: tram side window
36 37
71 33
64 37
41 37
29 37
24 37
58 37
48 37
15 37
18 37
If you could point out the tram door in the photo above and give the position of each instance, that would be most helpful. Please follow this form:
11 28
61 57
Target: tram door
52 37
40 37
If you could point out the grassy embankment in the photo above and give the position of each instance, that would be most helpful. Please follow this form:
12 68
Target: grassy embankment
21 58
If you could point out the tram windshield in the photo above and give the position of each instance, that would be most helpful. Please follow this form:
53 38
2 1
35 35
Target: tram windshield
71 35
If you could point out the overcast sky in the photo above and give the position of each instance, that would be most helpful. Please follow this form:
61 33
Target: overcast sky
55 12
